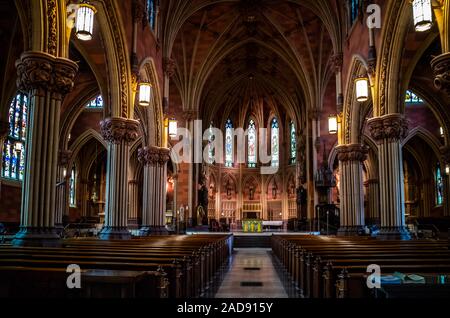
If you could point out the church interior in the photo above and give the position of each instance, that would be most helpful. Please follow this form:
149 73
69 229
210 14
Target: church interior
225 148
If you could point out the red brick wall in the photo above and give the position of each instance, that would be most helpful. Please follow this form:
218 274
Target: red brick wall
10 198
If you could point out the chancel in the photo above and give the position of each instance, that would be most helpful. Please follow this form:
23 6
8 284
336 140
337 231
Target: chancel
228 149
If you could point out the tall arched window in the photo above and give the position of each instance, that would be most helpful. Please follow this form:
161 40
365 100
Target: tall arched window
275 142
252 144
229 153
151 11
211 137
72 188
293 139
13 165
95 103
439 185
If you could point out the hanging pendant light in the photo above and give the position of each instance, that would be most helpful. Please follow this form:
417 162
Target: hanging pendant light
85 21
423 15
332 124
362 89
173 128
441 131
447 169
145 93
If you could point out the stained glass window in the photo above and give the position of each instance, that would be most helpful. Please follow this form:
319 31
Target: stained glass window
252 144
211 152
13 165
72 193
151 11
354 10
275 142
439 186
412 98
293 139
96 103
229 143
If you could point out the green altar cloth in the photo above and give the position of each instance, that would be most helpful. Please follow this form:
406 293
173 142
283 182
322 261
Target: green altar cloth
252 226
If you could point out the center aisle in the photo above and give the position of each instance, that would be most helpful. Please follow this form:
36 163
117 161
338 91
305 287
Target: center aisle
252 275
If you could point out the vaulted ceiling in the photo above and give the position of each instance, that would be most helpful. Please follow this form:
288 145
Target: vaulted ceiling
230 55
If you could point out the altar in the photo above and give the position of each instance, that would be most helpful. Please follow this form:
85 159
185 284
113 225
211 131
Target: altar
252 226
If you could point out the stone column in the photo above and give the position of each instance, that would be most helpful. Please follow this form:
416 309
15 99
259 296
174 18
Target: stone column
388 131
84 195
62 188
155 161
47 79
373 192
427 194
119 133
133 195
441 63
352 193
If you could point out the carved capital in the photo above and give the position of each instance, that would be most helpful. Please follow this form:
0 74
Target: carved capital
153 156
441 68
392 127
64 73
337 60
138 11
352 152
169 67
41 70
314 114
64 157
117 130
190 115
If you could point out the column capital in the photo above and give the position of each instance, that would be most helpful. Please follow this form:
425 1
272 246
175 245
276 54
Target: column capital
441 69
393 127
337 61
41 70
169 66
313 114
138 11
118 129
153 156
352 152
64 157
190 114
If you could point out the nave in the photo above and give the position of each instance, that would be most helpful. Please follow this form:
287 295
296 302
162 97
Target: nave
207 266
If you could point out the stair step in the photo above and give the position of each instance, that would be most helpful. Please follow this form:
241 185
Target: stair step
252 241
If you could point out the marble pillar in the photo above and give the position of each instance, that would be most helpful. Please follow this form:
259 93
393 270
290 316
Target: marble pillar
62 188
46 79
373 191
133 203
119 133
155 161
352 193
389 131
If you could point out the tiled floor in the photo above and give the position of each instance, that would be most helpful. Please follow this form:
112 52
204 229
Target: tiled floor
244 269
